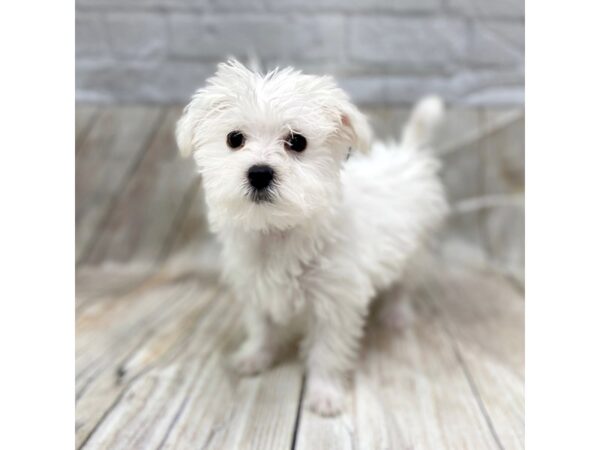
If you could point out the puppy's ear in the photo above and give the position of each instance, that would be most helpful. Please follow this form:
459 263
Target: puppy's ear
184 132
353 126
356 127
193 122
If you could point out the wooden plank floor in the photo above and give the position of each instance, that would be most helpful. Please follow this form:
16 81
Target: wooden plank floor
154 325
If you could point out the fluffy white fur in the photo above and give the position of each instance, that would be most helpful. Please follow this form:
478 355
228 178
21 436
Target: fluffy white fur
339 229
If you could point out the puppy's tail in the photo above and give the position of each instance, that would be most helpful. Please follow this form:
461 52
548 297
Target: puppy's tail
423 122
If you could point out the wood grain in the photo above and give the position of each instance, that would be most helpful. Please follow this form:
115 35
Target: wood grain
174 389
146 212
485 317
504 173
193 248
155 326
107 157
121 339
462 136
95 284
410 392
85 116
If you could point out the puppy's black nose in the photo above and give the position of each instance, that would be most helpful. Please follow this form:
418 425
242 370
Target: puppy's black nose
260 177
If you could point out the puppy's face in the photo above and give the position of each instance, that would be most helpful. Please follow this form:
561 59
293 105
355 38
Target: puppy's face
270 147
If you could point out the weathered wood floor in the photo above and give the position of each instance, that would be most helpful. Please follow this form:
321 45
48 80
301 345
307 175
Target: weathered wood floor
154 325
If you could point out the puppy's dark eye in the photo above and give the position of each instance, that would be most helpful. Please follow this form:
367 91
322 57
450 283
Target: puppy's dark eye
295 142
236 139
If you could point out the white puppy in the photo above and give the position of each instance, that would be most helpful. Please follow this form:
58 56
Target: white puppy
311 225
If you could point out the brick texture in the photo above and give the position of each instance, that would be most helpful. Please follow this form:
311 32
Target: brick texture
381 51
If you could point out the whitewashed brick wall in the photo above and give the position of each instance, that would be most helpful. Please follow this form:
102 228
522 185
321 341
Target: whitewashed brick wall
382 51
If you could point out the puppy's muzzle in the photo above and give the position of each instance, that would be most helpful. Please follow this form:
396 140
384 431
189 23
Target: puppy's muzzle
260 177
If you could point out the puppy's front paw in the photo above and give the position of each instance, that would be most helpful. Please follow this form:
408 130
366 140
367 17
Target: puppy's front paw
325 397
250 363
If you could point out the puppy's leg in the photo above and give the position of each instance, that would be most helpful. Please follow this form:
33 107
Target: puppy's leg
260 347
331 346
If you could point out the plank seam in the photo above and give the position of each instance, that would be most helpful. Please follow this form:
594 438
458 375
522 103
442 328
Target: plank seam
467 374
176 417
170 357
492 258
182 214
97 368
482 133
79 140
477 395
298 412
147 275
482 120
122 186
